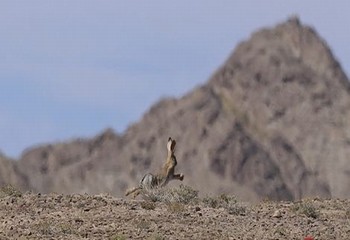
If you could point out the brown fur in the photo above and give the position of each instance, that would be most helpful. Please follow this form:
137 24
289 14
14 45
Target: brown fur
161 179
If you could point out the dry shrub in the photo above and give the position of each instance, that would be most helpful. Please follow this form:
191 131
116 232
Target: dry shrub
219 201
9 190
148 205
306 208
227 202
182 194
175 207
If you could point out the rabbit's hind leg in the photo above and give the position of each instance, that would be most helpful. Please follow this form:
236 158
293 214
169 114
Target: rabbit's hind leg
132 190
178 176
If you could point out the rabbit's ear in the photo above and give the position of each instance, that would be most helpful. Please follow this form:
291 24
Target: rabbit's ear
168 146
171 145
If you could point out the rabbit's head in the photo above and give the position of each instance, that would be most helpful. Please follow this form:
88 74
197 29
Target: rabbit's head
171 146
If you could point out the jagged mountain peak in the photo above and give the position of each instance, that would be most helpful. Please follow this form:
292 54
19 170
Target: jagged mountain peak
289 42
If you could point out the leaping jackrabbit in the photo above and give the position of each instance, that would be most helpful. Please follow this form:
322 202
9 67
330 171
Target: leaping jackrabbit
166 174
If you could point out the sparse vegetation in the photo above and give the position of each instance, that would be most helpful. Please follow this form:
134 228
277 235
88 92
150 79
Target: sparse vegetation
118 237
219 201
227 202
175 207
227 198
148 205
280 231
306 208
142 224
211 202
35 216
183 194
66 228
9 190
176 198
156 237
44 227
347 213
236 209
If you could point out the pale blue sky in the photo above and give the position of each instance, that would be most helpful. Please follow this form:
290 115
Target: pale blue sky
71 68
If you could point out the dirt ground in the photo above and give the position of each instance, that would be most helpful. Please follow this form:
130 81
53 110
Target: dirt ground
57 216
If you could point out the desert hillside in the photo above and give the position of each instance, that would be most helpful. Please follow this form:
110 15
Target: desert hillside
272 122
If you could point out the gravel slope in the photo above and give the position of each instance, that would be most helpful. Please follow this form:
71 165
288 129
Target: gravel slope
57 216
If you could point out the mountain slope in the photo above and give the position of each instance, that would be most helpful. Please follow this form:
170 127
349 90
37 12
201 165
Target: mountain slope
271 122
287 85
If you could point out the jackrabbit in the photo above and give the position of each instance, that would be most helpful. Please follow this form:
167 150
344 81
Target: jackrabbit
166 174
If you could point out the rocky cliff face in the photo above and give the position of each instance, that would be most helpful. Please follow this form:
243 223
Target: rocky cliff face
272 122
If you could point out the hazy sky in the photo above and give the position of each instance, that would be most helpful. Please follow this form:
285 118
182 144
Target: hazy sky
71 68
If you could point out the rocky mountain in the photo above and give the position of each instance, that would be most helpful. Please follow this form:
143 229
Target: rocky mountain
272 122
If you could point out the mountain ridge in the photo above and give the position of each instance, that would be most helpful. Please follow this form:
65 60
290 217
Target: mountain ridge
263 126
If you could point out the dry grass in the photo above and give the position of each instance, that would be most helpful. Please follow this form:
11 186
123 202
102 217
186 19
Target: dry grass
183 194
45 228
148 205
175 207
306 208
9 190
156 237
227 202
118 237
142 224
176 198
